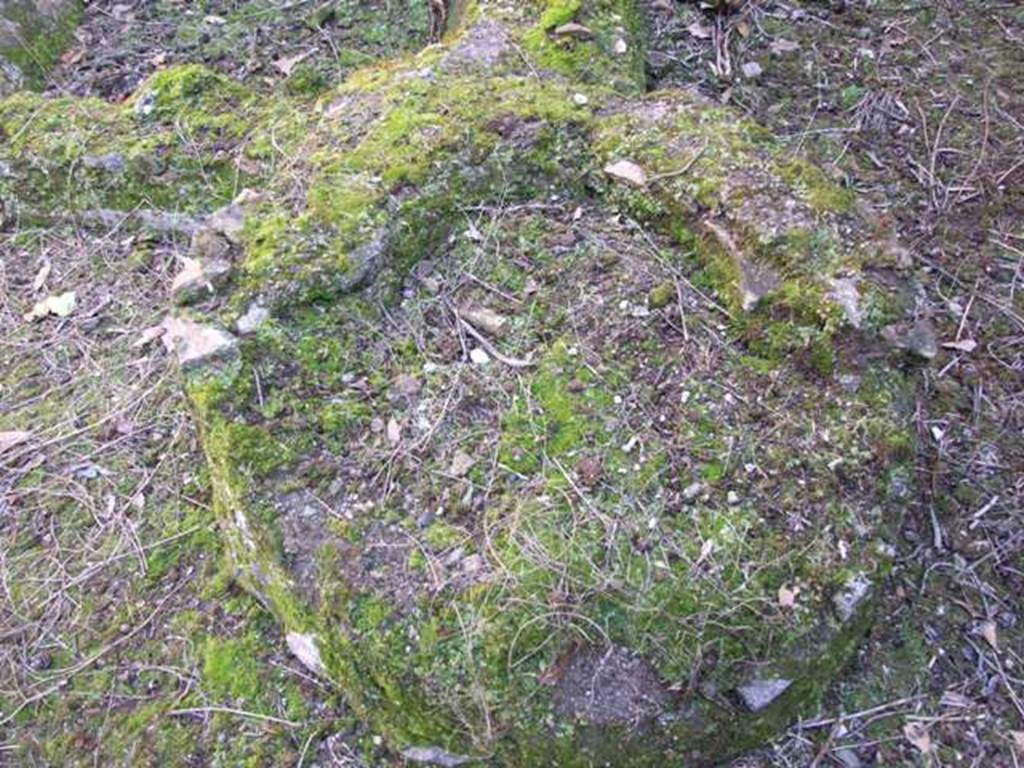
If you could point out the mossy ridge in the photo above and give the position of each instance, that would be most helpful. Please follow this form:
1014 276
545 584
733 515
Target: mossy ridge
735 175
179 153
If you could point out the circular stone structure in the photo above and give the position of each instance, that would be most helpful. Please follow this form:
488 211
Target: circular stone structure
547 415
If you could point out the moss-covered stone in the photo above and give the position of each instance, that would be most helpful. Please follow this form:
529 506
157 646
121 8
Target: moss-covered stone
604 492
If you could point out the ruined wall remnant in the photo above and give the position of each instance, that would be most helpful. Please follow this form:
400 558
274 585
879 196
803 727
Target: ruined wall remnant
533 403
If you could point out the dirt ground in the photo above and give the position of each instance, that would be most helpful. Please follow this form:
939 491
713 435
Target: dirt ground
115 596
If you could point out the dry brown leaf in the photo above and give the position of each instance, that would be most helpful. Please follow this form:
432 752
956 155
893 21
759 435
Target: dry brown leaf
10 439
699 31
461 464
788 594
485 319
149 335
990 633
572 29
751 69
1018 741
707 549
956 700
40 279
73 56
781 46
61 306
191 271
627 171
917 734
288 63
964 345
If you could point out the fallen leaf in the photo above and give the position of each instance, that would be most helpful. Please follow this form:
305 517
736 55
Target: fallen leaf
589 471
461 464
572 29
787 595
743 27
699 31
964 345
781 46
149 335
627 171
394 432
10 439
288 63
751 69
917 734
956 700
90 471
1018 741
485 319
72 57
407 386
41 275
990 633
707 549
61 306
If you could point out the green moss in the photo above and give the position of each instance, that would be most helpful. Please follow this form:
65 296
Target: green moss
154 166
558 12
551 421
441 536
590 61
851 96
662 295
306 80
194 98
821 193
230 673
42 38
255 450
